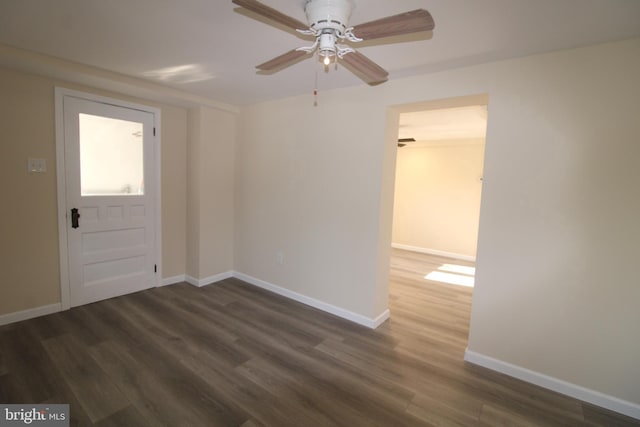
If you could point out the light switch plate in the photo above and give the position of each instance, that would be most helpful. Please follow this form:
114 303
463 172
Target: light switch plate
37 165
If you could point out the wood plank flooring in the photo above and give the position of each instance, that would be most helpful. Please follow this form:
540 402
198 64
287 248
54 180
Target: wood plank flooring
233 355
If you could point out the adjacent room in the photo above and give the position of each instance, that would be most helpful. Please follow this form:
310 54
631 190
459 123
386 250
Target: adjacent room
438 189
210 220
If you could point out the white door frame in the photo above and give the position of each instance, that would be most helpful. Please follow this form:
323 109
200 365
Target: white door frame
60 93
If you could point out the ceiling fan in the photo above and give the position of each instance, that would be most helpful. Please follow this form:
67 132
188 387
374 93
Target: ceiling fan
328 22
402 142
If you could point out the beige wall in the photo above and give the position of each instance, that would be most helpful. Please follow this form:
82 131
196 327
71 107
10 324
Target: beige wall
309 186
29 257
437 197
211 181
557 284
556 290
193 193
29 229
218 182
174 190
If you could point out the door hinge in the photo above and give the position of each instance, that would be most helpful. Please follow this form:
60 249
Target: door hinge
155 268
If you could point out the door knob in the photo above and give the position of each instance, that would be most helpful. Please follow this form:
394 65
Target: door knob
75 216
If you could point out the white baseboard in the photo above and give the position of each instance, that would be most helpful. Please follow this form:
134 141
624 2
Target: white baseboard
371 323
620 406
332 309
208 280
380 319
31 313
434 252
173 280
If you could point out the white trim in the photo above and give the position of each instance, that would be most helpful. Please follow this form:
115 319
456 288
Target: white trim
332 309
337 311
65 299
591 396
173 280
59 94
31 313
157 137
433 252
208 280
384 316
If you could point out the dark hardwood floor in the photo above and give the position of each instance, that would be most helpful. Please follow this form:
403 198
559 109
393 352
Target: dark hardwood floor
233 355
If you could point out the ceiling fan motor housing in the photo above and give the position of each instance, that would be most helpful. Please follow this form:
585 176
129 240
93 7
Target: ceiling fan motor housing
325 15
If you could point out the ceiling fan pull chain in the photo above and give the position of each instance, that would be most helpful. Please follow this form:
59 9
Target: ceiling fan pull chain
316 57
315 85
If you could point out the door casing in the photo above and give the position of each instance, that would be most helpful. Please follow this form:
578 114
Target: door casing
60 93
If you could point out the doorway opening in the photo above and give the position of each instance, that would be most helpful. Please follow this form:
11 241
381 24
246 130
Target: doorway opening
438 188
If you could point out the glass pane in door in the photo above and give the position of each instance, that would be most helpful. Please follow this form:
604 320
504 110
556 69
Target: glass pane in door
111 156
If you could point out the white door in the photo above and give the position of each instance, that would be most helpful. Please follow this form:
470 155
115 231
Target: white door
110 199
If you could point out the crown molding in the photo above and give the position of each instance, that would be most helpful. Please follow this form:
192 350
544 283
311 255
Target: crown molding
73 72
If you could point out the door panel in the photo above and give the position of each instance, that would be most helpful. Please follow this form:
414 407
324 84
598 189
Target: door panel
109 159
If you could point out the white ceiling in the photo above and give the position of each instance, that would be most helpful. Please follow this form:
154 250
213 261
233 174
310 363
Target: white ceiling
208 48
444 125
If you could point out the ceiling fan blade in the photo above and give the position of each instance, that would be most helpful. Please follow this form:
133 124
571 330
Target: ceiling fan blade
270 13
282 60
365 68
404 23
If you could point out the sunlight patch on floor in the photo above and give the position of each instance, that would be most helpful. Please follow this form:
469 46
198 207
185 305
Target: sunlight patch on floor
459 269
454 275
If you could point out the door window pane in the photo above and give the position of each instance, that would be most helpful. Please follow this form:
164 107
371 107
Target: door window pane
111 156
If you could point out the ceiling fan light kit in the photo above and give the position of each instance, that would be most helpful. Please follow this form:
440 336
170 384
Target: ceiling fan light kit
328 22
